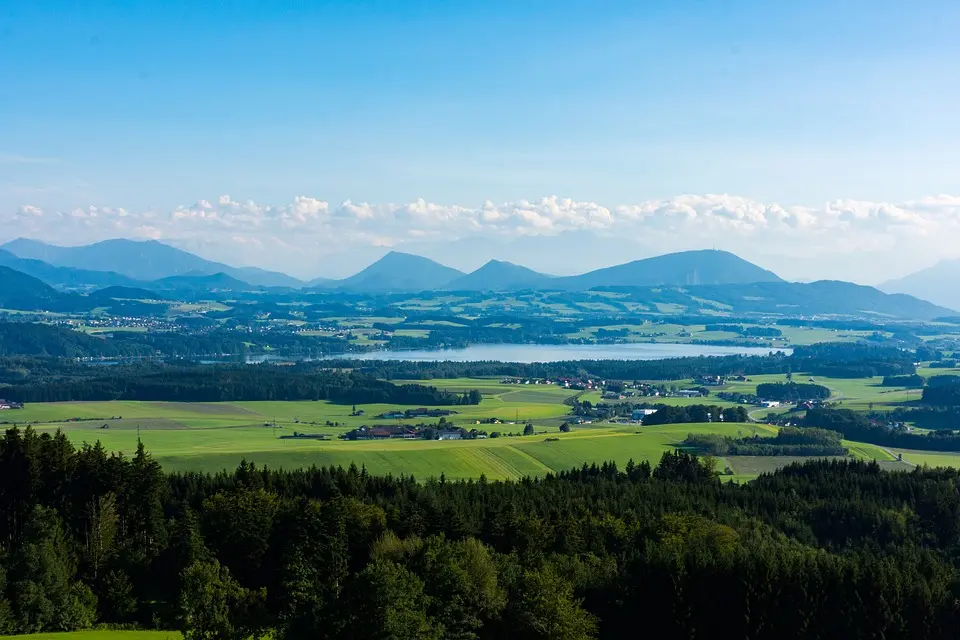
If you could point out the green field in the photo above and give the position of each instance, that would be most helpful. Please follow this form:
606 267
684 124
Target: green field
215 436
930 458
103 635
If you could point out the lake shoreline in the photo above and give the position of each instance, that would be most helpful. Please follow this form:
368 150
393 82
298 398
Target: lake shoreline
531 353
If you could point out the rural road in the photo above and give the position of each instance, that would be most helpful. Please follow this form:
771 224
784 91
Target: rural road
894 455
835 394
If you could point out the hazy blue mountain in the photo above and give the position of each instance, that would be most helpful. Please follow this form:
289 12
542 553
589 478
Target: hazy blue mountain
201 282
25 293
124 293
400 272
261 277
65 277
140 260
322 282
938 284
825 297
684 268
497 275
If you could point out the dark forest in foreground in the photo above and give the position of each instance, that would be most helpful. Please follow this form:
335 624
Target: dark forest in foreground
826 549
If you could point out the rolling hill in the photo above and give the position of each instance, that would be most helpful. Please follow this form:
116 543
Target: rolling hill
124 293
399 272
140 260
936 284
200 283
703 267
497 275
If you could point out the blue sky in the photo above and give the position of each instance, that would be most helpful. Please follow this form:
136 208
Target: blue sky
154 105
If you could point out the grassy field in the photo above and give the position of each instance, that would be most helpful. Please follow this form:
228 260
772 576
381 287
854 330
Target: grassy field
103 635
930 458
215 436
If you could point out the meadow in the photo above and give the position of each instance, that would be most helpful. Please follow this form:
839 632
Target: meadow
215 436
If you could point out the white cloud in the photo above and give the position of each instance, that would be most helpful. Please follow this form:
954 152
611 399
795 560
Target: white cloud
29 211
842 238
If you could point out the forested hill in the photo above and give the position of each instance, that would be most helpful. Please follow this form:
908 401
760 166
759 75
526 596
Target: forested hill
37 339
20 291
823 550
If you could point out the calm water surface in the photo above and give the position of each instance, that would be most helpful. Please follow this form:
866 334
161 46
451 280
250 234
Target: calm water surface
556 353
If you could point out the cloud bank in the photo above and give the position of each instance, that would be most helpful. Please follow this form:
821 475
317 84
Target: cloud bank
850 239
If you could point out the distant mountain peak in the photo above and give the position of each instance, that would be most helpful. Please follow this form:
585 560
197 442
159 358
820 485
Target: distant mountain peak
499 275
400 272
935 284
683 268
142 260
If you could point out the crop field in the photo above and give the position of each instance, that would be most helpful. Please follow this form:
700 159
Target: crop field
849 393
927 372
214 436
930 458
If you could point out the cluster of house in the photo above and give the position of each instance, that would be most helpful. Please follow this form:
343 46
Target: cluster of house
651 392
576 384
422 412
716 381
120 322
404 432
10 404
525 381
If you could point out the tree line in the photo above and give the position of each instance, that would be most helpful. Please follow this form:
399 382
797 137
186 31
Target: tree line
824 549
878 430
671 414
792 391
45 340
222 383
789 441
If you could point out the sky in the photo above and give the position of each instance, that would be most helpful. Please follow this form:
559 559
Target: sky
819 139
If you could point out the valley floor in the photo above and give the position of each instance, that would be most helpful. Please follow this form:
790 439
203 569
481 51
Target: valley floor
215 436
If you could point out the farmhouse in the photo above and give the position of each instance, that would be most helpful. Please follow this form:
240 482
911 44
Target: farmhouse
450 435
770 404
613 395
382 433
640 414
10 404
422 412
687 393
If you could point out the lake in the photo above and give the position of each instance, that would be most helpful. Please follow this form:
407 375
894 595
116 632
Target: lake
560 352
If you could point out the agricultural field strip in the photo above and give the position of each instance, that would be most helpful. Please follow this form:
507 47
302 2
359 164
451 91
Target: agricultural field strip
216 431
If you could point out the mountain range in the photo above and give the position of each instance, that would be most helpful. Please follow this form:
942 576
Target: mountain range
148 264
155 267
139 261
936 284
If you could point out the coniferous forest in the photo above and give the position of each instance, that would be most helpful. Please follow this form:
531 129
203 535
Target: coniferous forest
828 549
